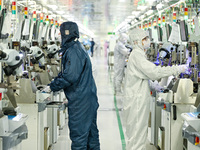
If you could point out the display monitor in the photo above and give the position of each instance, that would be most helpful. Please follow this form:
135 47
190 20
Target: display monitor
159 31
150 34
184 31
50 33
16 45
22 37
168 30
35 31
35 43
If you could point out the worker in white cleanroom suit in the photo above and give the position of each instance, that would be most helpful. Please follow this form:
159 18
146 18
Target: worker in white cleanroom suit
120 54
137 90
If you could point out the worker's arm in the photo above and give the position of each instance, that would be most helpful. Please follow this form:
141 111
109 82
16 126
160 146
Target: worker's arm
73 69
122 49
151 71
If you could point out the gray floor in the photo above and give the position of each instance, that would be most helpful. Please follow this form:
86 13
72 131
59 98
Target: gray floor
107 118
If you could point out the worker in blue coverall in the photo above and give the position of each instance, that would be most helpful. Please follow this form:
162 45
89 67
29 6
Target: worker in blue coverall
79 87
92 47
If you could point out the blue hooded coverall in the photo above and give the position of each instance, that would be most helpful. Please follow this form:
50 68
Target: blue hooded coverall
79 87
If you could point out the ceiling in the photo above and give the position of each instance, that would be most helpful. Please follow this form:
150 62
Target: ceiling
99 16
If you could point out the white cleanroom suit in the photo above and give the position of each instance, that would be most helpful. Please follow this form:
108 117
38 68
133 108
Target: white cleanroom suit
137 91
120 54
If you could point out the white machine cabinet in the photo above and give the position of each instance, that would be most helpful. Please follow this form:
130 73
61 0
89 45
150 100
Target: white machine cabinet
13 131
191 131
1 143
171 126
52 124
155 119
177 101
36 125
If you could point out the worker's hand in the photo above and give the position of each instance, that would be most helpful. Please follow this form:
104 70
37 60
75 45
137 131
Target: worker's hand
46 89
129 47
155 86
183 68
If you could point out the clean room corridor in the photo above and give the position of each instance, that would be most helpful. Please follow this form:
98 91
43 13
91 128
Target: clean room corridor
107 118
109 132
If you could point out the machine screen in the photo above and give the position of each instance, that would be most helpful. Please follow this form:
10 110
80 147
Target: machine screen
159 33
150 34
168 30
35 30
51 43
16 45
184 31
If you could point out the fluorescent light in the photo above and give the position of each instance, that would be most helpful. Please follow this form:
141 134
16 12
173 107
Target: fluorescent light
54 7
128 19
151 1
149 12
50 12
159 6
32 6
131 17
45 10
62 6
84 29
142 7
135 13
142 16
120 26
52 16
71 18
133 22
60 12
65 16
125 28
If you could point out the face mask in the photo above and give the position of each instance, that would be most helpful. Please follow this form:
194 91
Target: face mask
146 44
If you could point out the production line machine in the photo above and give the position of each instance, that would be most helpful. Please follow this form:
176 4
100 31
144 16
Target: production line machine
13 123
191 126
178 94
23 57
47 110
152 52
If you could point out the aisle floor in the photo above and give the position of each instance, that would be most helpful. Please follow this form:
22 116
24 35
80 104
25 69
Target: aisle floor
109 132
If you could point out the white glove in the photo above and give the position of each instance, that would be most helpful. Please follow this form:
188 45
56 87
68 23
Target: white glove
46 89
183 68
155 86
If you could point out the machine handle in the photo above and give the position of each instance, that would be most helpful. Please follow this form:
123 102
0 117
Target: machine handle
2 55
174 112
